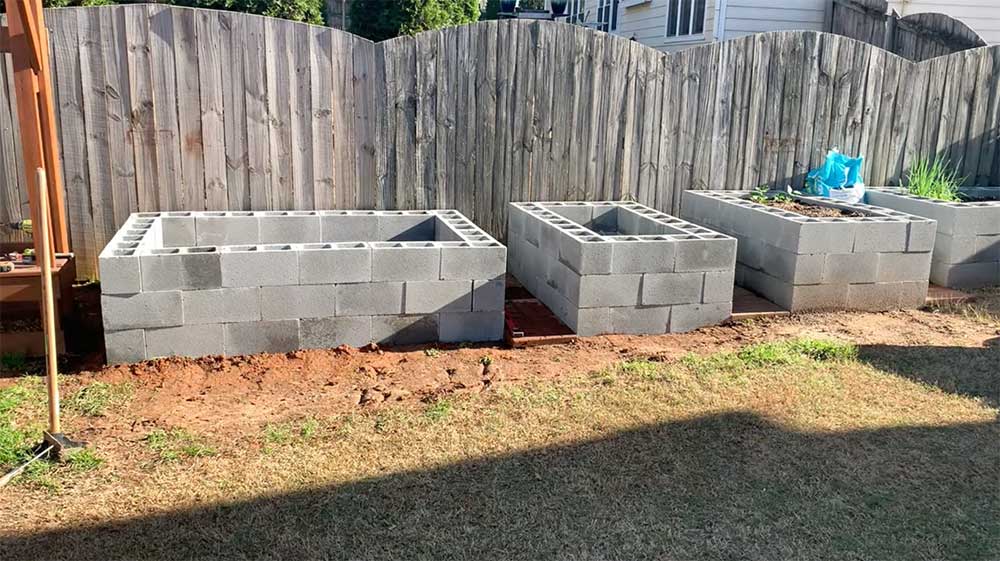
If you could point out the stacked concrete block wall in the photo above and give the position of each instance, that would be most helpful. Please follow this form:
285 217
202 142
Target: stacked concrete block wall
231 283
879 260
967 245
621 267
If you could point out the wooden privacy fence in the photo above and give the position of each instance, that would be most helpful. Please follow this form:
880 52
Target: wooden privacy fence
916 37
165 108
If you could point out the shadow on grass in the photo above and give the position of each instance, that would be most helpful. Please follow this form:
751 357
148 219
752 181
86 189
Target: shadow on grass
718 487
968 371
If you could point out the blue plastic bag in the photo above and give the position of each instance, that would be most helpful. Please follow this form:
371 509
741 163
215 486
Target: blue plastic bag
838 172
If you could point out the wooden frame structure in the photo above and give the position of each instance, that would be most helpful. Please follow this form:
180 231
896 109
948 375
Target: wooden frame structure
27 40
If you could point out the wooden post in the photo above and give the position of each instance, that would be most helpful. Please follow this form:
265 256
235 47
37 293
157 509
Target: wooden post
48 302
28 41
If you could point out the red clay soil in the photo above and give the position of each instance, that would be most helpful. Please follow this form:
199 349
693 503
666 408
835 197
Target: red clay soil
244 393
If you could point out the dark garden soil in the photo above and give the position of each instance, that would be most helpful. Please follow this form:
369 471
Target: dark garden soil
817 211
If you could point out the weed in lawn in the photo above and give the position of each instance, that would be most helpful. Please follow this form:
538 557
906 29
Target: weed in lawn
177 443
96 398
277 434
766 355
437 410
84 460
432 352
645 369
15 438
309 428
934 179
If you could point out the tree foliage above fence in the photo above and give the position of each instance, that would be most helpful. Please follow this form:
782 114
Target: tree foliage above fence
165 108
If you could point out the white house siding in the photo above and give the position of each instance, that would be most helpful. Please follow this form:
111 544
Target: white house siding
983 16
744 17
646 22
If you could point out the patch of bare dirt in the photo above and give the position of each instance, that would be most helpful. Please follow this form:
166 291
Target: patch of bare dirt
243 393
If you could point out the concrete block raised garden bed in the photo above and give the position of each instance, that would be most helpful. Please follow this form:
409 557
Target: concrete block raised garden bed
967 244
620 267
205 283
860 257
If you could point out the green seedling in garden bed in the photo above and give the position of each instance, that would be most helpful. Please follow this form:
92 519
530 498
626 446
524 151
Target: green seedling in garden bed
934 180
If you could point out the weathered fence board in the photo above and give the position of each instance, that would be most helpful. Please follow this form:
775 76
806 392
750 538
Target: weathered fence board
166 108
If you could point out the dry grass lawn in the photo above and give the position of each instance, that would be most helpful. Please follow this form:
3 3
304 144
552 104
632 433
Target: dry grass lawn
798 449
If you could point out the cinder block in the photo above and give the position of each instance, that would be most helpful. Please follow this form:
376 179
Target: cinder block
705 255
294 302
604 219
253 337
750 251
173 269
640 319
473 262
178 231
850 268
818 297
873 236
375 298
259 266
954 249
219 229
643 256
564 280
581 214
882 296
965 275
588 255
445 232
349 228
145 309
587 322
186 340
488 295
718 287
660 289
289 227
920 235
515 222
533 229
340 263
912 294
425 297
894 267
125 346
794 268
119 270
815 236
471 326
604 291
328 333
224 305
405 262
987 248
688 317
405 330
405 227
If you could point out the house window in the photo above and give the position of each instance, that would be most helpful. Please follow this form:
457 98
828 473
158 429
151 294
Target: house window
685 17
607 15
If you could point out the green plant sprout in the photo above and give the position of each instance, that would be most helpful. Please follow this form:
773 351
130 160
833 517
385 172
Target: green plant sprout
934 180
